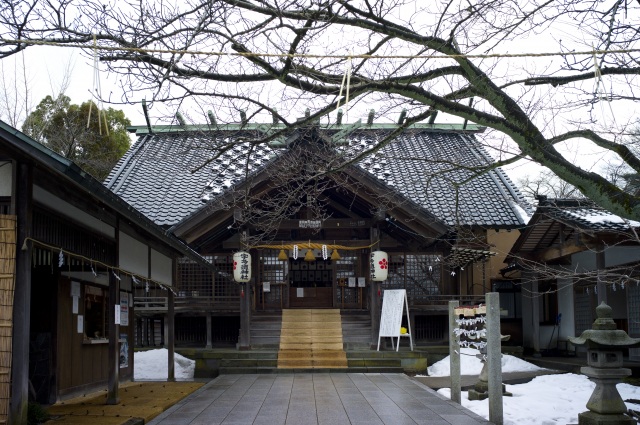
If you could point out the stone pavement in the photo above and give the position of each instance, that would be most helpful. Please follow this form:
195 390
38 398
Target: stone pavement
316 398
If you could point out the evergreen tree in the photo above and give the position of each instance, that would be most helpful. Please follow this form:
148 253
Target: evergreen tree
92 138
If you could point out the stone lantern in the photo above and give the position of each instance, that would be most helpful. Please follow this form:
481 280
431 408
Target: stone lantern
480 390
604 344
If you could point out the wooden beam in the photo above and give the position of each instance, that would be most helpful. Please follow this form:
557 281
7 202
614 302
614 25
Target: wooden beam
338 207
22 298
331 223
555 252
113 356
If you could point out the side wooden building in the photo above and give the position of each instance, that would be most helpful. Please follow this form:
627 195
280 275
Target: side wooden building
79 251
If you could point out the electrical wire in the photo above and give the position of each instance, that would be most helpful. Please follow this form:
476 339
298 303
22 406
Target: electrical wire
316 56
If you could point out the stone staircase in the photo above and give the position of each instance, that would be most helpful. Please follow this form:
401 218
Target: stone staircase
265 330
298 340
311 339
356 330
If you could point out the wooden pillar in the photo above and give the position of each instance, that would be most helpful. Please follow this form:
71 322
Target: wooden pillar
23 188
114 341
139 332
535 315
209 342
152 330
164 332
374 288
145 332
245 317
171 337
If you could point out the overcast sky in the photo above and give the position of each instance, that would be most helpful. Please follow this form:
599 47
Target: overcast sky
47 66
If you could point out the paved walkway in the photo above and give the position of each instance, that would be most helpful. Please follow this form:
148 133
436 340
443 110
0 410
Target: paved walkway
331 398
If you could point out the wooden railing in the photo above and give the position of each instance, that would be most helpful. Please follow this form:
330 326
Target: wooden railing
443 300
187 302
276 299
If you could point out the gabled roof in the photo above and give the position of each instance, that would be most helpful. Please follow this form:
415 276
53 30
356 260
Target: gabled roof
560 222
171 173
584 214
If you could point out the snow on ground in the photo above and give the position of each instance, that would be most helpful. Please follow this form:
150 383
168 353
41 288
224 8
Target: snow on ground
471 365
152 365
546 400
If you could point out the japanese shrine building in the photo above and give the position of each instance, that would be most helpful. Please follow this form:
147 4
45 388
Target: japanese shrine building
310 205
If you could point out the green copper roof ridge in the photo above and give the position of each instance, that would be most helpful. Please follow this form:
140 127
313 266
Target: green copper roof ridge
143 129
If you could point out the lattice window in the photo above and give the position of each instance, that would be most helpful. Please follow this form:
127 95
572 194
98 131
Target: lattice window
52 229
276 273
223 283
194 280
271 269
346 267
419 274
583 310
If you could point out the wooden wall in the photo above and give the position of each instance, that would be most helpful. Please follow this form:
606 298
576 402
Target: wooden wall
7 285
82 366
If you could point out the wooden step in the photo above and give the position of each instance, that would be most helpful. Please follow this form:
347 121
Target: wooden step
296 330
311 338
299 339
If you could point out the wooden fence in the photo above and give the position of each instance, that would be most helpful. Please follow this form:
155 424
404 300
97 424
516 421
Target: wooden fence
7 284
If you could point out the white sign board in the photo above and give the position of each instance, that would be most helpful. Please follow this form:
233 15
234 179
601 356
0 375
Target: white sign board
124 309
393 304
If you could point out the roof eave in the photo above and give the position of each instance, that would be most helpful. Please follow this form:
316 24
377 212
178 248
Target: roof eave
76 176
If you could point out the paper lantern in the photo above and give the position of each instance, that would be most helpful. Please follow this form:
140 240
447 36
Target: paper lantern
242 266
282 256
379 266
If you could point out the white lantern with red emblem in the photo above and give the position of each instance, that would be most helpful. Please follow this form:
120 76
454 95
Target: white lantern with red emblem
242 266
379 266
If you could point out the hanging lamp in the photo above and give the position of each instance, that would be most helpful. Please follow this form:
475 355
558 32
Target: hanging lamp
242 266
379 266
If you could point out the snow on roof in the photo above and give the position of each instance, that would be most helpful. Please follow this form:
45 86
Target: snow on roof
163 173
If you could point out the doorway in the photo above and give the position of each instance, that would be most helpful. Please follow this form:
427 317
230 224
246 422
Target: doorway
311 284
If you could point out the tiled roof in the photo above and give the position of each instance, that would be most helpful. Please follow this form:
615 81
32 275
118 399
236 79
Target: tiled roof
584 214
427 166
163 175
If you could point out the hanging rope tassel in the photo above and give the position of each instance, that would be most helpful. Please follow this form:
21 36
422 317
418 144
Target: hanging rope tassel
346 78
97 88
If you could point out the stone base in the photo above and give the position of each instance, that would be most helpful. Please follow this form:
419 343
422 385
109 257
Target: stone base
475 395
482 395
592 418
